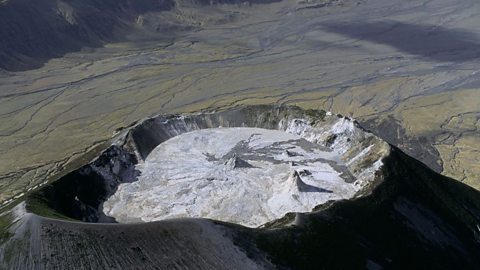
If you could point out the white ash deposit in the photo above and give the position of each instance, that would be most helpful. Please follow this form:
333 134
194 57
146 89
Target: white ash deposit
248 176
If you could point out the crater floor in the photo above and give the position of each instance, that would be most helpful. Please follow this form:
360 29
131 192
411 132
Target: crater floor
248 176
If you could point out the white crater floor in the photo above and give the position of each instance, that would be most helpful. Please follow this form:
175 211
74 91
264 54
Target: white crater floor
248 176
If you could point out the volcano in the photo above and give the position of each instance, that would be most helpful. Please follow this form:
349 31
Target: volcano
354 196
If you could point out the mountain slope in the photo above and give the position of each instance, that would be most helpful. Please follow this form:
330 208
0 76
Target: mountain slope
409 217
35 31
414 219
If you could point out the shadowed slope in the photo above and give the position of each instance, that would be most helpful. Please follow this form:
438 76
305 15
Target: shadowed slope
432 42
414 219
32 32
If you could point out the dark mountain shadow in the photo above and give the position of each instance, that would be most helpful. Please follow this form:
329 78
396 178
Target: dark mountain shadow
414 219
431 42
33 32
80 194
304 187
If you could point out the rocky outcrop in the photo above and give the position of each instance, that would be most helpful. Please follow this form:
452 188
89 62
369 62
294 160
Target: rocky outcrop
235 162
301 186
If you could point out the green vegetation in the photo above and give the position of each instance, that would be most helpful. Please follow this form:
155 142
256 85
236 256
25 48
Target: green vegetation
6 220
37 204
315 115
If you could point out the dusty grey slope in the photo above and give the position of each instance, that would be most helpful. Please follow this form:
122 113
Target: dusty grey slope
183 244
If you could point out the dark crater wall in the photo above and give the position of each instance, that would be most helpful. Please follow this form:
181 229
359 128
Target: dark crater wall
414 219
411 218
80 194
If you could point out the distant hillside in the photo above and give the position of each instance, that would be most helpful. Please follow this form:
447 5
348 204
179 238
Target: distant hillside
35 31
32 32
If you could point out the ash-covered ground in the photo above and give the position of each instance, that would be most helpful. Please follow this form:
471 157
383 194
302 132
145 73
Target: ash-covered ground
248 176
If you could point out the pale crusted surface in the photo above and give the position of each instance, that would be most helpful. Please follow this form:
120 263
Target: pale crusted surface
250 176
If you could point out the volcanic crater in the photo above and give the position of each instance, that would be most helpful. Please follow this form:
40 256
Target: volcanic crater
249 166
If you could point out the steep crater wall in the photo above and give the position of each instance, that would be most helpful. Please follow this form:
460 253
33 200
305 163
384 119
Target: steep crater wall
410 218
81 194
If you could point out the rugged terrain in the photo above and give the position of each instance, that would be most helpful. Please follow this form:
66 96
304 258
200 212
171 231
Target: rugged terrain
407 216
74 72
248 176
82 84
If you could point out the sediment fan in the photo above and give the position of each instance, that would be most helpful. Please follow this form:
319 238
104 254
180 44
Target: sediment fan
390 212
